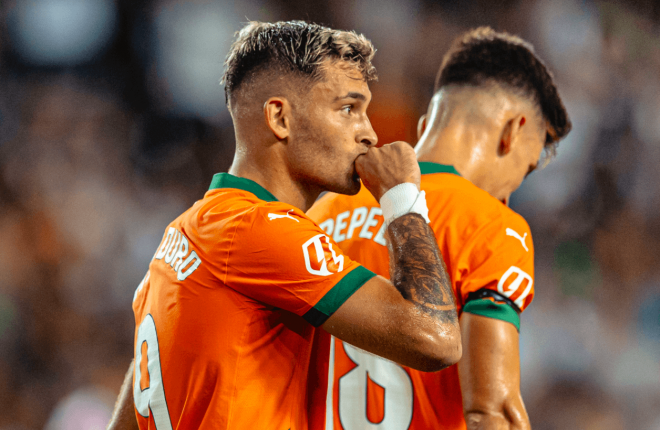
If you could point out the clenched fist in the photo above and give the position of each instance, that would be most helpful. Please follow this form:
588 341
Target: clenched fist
388 166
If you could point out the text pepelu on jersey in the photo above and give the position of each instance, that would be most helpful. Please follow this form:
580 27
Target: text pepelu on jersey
363 218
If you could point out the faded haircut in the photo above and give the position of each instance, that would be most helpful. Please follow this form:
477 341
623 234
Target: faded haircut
483 56
295 47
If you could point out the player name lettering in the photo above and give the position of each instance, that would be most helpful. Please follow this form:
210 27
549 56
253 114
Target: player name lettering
174 252
363 219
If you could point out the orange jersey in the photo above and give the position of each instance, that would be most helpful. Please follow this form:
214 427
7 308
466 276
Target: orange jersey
489 256
226 314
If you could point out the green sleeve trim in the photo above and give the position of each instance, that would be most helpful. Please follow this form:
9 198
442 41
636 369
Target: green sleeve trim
336 297
488 308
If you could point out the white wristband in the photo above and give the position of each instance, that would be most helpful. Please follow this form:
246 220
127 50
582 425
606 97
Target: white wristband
403 199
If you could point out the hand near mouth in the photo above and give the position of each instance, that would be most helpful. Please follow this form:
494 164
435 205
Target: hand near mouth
388 166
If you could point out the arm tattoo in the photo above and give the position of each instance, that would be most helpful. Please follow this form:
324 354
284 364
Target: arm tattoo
417 269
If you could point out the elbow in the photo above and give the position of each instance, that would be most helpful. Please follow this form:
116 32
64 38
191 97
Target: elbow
443 354
438 350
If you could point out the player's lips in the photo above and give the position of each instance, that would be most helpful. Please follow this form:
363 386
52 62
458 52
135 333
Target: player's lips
362 153
358 156
355 173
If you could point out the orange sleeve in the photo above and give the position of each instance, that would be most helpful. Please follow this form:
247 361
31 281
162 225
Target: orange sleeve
500 258
282 258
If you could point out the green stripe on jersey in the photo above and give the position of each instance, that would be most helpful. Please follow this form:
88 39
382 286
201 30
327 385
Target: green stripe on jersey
488 308
225 180
336 297
428 168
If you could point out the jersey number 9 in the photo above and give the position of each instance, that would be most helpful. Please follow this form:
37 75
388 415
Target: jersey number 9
148 391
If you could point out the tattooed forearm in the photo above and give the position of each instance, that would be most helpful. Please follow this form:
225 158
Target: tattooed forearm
417 269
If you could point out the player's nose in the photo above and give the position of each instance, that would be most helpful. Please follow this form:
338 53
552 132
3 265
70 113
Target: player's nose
367 135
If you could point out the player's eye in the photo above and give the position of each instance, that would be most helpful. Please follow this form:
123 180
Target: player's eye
347 109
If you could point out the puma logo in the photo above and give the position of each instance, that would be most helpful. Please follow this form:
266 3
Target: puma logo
513 233
276 216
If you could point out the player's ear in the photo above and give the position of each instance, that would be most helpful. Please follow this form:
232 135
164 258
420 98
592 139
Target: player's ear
511 133
421 126
276 113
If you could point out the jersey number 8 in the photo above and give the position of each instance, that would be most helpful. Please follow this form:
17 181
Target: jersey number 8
398 392
148 391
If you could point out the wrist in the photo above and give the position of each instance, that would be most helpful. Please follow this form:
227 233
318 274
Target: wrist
403 199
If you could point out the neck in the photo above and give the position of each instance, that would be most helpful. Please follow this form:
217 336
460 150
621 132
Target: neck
268 168
458 144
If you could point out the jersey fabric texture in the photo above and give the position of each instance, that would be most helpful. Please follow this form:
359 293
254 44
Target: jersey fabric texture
226 315
488 251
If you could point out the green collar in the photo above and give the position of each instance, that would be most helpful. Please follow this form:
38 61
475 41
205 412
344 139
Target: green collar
427 168
225 180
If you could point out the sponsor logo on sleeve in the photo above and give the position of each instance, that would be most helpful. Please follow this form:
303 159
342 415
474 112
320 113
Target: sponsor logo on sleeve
515 284
320 257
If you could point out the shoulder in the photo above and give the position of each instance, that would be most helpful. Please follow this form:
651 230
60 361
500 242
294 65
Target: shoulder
509 232
282 213
226 214
501 229
455 194
470 214
514 220
279 224
282 239
460 194
277 219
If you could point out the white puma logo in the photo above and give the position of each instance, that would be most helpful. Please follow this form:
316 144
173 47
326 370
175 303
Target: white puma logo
511 232
275 216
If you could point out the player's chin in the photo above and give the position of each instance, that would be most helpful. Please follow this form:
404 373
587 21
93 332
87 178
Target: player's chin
350 186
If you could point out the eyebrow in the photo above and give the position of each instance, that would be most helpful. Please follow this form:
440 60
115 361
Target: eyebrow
352 95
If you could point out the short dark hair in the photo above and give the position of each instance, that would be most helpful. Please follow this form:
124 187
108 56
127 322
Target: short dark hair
483 56
294 47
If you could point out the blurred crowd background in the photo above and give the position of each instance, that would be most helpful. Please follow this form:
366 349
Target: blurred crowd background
112 122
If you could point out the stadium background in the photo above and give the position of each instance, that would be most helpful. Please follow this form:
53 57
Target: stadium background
112 123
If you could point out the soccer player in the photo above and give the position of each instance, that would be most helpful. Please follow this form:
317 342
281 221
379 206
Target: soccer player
226 315
495 109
